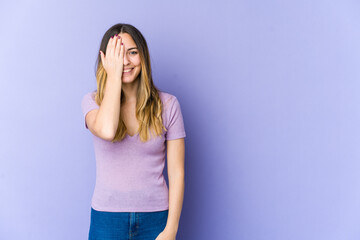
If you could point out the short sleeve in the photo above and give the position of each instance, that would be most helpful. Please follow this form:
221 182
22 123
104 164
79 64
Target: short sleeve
175 128
87 104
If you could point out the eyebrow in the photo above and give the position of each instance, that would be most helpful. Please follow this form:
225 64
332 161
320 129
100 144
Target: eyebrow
132 48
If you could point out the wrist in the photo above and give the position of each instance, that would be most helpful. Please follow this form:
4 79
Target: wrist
171 229
114 77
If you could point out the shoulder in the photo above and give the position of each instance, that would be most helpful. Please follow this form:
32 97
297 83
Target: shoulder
89 96
167 99
88 101
171 105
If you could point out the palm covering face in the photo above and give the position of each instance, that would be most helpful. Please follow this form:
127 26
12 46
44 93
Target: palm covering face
113 62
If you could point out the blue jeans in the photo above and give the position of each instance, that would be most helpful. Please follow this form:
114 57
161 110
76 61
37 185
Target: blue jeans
126 225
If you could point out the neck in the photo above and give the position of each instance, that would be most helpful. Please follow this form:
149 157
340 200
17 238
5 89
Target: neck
130 90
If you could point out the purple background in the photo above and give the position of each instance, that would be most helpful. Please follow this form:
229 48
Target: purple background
269 92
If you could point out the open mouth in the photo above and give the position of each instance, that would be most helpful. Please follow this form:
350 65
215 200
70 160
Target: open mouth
128 70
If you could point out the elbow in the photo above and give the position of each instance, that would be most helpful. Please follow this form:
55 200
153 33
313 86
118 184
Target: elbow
105 133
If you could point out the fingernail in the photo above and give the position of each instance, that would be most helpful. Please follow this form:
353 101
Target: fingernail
122 44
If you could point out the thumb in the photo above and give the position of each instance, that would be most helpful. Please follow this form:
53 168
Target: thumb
102 57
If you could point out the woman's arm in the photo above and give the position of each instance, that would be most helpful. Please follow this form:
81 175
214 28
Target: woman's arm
176 173
107 118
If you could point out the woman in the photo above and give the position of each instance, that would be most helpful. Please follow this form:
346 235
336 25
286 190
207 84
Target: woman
132 123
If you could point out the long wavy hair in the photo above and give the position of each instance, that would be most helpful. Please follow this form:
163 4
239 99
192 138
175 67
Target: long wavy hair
148 104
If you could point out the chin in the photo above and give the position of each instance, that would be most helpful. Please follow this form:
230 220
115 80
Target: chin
128 80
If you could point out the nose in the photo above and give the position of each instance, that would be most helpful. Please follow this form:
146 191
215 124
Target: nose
126 60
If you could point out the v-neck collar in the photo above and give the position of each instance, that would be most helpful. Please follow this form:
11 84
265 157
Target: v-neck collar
133 136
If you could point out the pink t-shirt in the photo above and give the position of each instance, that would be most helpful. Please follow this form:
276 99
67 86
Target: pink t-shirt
129 174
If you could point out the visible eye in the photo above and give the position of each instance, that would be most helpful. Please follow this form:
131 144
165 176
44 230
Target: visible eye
133 52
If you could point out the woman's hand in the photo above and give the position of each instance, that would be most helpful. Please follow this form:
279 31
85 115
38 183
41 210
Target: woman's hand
166 235
114 60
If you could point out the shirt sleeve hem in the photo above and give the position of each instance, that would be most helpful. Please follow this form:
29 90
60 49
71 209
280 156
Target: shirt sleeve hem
176 136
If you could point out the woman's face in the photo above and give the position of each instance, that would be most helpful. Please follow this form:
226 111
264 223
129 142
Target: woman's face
132 60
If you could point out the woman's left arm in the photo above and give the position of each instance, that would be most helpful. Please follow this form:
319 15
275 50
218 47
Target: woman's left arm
176 174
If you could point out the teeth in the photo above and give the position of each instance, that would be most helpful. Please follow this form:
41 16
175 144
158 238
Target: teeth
127 70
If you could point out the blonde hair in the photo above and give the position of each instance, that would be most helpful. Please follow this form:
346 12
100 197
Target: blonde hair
148 103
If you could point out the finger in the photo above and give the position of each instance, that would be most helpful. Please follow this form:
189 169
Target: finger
113 44
117 49
108 47
122 46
